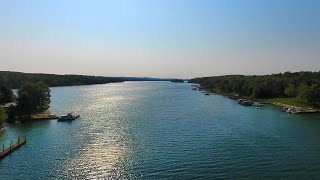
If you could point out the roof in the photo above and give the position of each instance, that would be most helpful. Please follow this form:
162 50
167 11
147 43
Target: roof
7 105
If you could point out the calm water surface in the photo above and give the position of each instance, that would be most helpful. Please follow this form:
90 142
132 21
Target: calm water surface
162 130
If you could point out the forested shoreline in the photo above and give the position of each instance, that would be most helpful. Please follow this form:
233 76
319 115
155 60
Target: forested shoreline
15 80
301 86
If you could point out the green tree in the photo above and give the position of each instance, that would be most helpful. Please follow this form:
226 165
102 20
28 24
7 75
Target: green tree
315 95
44 96
6 95
290 90
3 116
33 98
11 113
310 94
24 104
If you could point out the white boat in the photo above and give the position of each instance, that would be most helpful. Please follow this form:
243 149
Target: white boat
257 104
293 111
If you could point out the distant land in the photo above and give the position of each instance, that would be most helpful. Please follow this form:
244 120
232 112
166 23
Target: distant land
146 79
17 79
178 80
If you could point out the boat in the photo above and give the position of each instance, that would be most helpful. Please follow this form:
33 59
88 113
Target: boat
257 104
245 102
293 111
69 117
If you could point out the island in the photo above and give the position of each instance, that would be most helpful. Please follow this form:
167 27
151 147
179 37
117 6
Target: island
177 80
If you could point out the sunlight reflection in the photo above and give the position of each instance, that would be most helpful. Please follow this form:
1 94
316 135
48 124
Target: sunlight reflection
107 148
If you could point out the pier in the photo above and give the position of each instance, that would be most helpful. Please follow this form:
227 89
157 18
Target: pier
12 147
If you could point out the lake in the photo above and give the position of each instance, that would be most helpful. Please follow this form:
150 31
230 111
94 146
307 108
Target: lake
162 130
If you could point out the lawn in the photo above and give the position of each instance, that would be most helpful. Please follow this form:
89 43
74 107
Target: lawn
288 101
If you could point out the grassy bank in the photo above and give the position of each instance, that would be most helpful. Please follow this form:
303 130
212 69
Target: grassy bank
283 102
287 103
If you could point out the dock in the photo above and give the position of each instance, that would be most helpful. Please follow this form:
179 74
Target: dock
43 116
12 147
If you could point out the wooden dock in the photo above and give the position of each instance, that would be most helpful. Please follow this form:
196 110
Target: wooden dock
12 147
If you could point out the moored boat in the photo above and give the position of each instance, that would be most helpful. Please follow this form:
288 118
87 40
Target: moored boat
245 102
294 110
257 104
69 117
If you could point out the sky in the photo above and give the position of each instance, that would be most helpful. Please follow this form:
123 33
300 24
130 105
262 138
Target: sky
159 38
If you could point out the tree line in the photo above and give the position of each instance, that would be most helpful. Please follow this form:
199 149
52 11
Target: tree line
31 98
303 86
14 80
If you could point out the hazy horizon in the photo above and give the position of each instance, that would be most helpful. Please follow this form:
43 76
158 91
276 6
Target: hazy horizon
155 77
162 39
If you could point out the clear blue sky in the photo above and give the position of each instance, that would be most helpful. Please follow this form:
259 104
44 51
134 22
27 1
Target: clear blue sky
160 38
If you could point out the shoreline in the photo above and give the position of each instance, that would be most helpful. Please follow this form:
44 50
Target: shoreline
287 106
304 110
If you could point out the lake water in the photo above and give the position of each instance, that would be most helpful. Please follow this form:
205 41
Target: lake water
162 130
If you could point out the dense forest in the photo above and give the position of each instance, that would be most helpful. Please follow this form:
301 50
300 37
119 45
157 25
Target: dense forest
304 86
16 79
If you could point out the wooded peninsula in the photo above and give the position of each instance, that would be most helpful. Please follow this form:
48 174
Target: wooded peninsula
300 89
